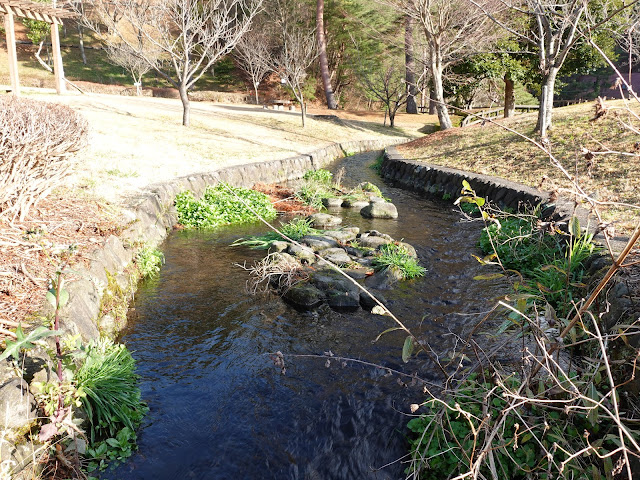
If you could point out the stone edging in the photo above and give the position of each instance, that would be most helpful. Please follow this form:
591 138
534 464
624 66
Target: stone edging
152 215
434 180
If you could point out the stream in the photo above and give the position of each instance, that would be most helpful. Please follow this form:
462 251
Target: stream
221 409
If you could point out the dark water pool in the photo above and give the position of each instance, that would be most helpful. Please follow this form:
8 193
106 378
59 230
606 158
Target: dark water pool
221 409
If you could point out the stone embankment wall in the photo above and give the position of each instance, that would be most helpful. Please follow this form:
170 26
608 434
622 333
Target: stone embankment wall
436 181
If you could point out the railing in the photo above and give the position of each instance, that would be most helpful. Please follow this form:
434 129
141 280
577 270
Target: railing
482 115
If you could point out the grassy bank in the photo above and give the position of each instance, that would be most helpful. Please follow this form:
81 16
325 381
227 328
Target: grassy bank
492 150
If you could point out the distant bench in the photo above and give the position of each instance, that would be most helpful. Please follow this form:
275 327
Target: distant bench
280 105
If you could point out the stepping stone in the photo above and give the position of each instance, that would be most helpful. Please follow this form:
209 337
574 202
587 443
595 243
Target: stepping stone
319 242
305 297
322 220
332 202
336 256
379 210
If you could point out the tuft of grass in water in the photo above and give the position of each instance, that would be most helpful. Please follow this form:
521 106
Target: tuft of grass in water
222 204
149 260
392 255
295 230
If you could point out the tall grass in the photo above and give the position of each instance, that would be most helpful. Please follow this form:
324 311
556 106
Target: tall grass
112 396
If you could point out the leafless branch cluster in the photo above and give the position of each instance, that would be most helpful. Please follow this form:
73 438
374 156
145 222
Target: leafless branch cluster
275 271
37 146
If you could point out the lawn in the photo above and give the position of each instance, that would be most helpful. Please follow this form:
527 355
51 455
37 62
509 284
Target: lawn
492 150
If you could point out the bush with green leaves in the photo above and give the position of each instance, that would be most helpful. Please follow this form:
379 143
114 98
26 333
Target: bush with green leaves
112 395
394 255
551 264
316 185
540 438
149 260
223 204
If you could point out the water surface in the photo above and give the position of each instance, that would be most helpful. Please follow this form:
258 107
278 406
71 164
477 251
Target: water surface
221 409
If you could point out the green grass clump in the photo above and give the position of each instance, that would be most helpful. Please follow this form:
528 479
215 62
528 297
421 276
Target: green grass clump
552 265
295 230
222 205
108 379
392 255
322 176
149 260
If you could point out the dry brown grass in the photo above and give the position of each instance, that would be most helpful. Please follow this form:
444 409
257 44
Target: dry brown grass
492 150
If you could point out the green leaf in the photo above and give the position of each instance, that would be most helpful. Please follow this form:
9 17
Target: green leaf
574 227
25 342
407 349
488 276
51 297
392 329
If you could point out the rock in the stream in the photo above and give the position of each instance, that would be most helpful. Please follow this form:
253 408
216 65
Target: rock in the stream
374 199
319 242
279 246
384 279
304 296
379 210
304 254
332 202
358 273
348 301
409 249
17 405
332 280
342 236
322 220
336 255
355 204
372 241
368 303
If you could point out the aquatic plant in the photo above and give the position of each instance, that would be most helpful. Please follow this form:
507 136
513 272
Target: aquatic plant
149 260
295 229
394 255
223 204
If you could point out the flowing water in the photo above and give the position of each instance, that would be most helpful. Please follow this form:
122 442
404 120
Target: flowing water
221 409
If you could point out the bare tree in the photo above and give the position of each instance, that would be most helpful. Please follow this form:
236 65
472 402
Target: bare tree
552 30
297 53
322 55
387 84
452 29
123 55
253 54
190 35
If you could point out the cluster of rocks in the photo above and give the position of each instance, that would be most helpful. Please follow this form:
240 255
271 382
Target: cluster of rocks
347 248
19 412
374 207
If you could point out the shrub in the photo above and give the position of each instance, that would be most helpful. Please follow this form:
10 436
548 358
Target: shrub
112 396
222 205
37 145
559 434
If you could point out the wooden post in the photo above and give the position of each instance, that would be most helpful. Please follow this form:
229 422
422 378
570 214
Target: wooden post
57 58
11 50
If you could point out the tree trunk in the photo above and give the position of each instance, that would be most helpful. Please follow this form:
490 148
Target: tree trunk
186 107
410 65
438 89
546 102
322 55
255 89
81 44
432 103
509 98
